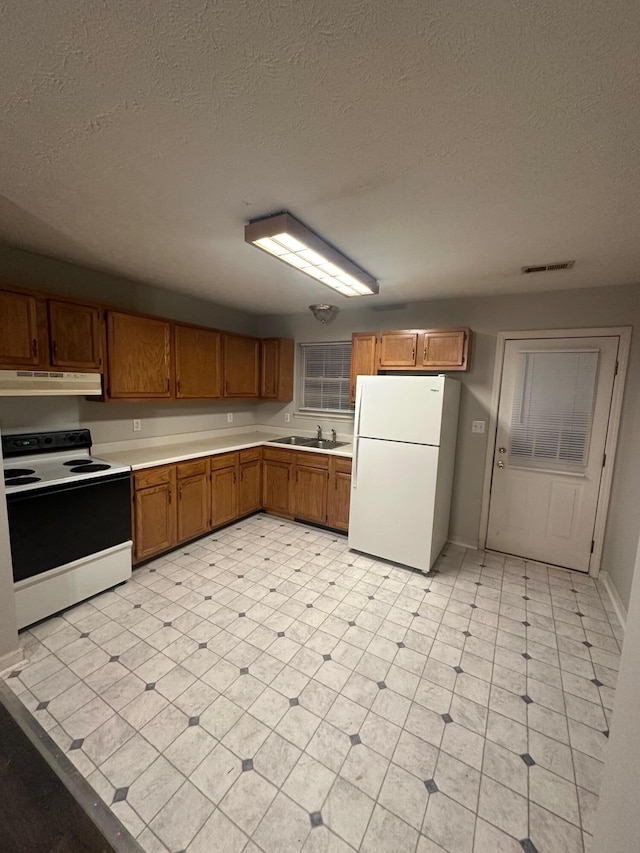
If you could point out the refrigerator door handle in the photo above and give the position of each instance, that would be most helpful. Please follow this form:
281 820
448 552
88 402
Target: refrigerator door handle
356 439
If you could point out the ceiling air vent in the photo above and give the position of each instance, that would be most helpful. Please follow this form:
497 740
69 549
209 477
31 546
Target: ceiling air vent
559 265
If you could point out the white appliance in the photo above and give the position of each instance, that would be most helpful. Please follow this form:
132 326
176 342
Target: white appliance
42 383
405 433
69 521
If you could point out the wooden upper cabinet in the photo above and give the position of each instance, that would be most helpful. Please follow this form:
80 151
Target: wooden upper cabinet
241 366
20 341
75 334
198 363
139 357
276 369
398 349
445 348
363 358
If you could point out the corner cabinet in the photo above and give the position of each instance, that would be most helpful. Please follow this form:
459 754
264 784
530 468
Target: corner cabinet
276 369
139 357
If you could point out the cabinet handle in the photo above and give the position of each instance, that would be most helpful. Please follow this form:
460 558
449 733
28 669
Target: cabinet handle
335 484
34 347
54 349
180 493
413 354
242 475
234 476
170 495
178 385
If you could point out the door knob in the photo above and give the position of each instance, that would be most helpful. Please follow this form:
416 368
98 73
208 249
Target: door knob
501 464
502 450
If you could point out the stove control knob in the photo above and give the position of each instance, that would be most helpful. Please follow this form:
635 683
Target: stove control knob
48 440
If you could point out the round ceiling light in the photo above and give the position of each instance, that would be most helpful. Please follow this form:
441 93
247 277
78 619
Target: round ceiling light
324 313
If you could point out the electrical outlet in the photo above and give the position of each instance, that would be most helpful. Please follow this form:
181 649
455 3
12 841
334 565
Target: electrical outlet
137 425
229 417
287 418
477 426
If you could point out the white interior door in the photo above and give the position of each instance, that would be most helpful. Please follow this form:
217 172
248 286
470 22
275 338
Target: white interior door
553 416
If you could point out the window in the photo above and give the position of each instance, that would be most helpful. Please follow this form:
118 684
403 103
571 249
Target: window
553 407
326 372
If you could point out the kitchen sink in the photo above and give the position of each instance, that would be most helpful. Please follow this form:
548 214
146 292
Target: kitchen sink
292 439
305 441
325 443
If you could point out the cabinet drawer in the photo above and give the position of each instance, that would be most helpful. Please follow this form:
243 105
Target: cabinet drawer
191 468
341 465
312 460
278 455
153 476
224 460
250 455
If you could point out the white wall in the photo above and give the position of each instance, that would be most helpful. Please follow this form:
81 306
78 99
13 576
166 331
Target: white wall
617 827
606 306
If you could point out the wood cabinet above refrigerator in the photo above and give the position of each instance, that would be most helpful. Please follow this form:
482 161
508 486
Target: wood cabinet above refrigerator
420 350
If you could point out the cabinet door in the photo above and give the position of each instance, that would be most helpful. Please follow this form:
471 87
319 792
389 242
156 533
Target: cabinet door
74 331
193 506
398 349
339 494
276 486
198 363
19 343
154 520
224 495
363 358
276 369
241 366
139 356
310 494
250 489
445 348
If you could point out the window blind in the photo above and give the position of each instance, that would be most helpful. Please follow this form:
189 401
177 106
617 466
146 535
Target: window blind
326 376
553 405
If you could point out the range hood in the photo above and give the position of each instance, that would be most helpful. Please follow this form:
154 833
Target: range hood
40 383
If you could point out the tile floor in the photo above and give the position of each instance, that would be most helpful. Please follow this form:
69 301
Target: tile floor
265 689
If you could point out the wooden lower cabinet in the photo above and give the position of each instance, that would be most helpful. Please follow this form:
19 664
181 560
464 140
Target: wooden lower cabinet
250 485
276 481
176 503
194 499
224 489
155 515
310 493
339 495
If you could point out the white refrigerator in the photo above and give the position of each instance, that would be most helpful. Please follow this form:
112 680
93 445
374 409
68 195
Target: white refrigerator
405 431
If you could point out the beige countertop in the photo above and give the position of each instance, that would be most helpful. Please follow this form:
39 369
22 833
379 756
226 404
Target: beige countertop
147 457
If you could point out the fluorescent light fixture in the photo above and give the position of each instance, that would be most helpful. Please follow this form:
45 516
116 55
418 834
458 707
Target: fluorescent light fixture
286 238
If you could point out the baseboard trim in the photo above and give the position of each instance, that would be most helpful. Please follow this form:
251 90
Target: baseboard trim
9 660
618 606
463 544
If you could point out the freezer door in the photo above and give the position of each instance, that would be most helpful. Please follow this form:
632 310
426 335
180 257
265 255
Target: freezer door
392 501
400 408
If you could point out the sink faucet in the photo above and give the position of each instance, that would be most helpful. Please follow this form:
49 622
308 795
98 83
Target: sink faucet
334 436
319 434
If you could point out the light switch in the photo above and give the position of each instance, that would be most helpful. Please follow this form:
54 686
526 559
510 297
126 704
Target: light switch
229 417
287 418
477 426
137 426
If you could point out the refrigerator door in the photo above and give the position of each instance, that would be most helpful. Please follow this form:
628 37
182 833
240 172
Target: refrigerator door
400 408
392 501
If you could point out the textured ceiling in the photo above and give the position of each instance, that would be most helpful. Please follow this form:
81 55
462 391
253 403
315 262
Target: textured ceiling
442 145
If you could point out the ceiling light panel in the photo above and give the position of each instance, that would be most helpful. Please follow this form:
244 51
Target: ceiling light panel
283 236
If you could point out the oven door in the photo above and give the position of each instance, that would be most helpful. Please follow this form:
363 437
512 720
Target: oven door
53 526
